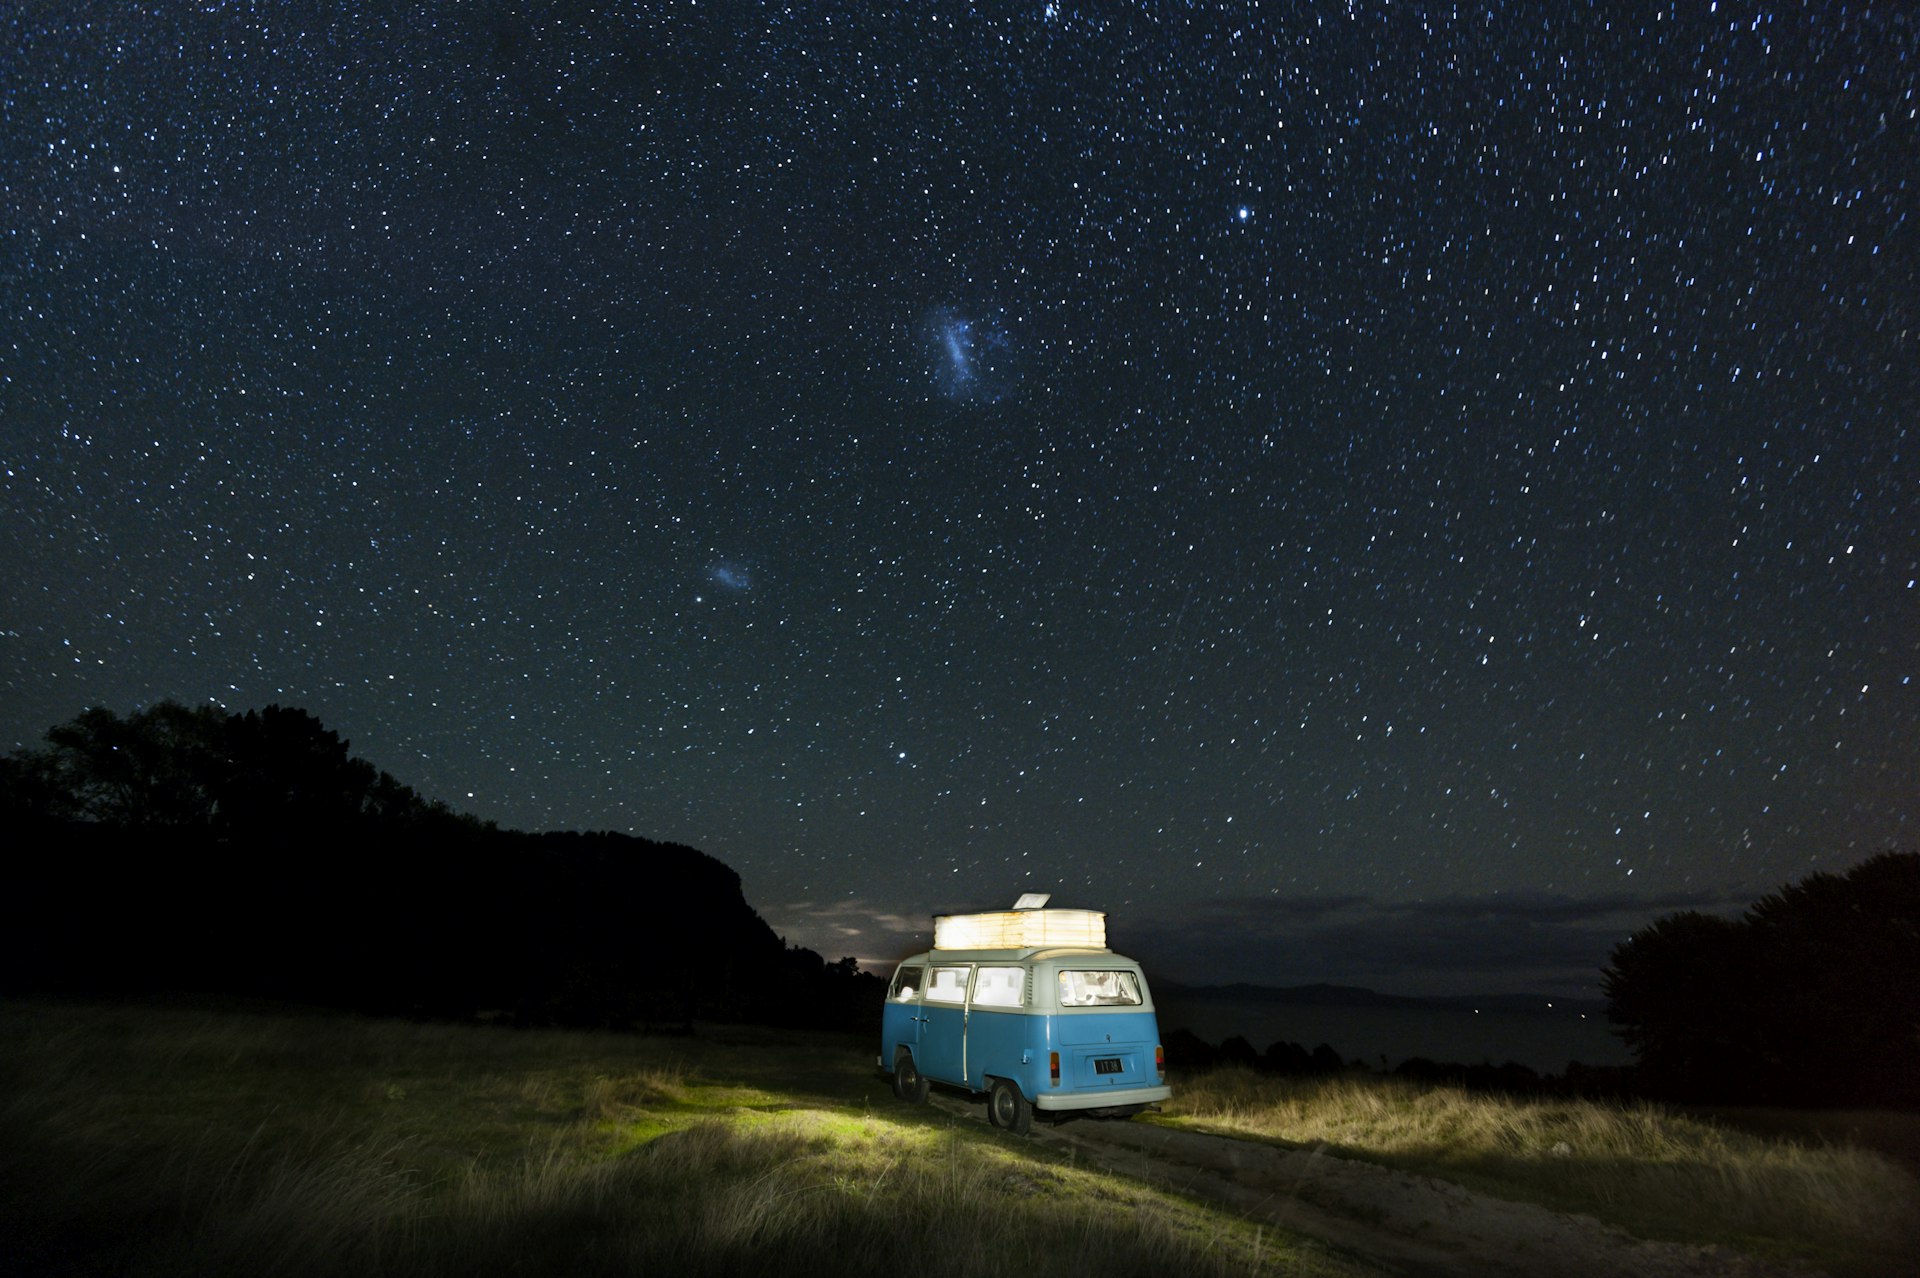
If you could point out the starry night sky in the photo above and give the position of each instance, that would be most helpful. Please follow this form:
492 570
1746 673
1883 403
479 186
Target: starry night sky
1399 495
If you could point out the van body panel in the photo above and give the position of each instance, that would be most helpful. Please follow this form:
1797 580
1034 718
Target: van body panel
943 1042
899 1028
1000 1039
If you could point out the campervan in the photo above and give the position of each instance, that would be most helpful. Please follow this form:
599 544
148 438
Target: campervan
1031 1009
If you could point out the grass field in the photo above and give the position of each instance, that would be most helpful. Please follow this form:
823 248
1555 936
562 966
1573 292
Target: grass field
162 1141
180 1140
1659 1174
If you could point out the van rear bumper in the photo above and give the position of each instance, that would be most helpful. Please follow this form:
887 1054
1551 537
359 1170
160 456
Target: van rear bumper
1101 1099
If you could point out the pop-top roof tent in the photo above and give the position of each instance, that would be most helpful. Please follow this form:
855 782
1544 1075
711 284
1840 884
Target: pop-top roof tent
1028 925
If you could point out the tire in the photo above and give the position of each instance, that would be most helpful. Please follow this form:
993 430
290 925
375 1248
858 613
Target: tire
1007 1109
908 1083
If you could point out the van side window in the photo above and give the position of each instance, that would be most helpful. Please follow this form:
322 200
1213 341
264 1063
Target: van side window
1000 987
906 984
1099 989
947 985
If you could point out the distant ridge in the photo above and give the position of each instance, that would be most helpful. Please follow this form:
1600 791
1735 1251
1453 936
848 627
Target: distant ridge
1324 995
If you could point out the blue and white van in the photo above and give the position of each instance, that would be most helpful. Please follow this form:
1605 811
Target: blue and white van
1032 1009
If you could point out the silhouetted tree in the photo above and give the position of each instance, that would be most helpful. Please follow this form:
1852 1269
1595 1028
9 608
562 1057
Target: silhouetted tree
1682 991
1287 1058
32 790
1812 997
1511 1077
1238 1051
1846 968
285 769
152 768
1188 1051
180 767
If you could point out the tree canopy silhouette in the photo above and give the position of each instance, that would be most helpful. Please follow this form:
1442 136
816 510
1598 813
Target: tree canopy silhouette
200 768
1811 997
190 848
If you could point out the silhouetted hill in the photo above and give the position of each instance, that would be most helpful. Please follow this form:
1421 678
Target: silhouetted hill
190 850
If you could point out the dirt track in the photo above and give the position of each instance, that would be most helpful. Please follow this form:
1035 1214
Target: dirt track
1404 1223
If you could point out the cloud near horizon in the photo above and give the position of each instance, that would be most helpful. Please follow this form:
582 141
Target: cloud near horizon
1491 943
864 929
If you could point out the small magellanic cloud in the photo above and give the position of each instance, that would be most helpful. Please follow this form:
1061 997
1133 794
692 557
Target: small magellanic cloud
729 577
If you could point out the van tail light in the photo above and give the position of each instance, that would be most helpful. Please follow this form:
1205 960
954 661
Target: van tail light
1053 1069
1160 1061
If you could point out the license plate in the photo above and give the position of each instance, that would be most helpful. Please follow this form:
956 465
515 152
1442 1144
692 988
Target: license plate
1107 1065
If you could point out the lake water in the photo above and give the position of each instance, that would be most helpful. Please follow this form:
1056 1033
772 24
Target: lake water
1544 1040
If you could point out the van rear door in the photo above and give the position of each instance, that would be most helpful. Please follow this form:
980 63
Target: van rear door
1109 1043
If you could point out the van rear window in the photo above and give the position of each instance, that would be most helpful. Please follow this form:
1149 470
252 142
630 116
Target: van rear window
1099 989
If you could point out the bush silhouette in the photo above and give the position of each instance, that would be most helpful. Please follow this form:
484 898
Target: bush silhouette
1811 997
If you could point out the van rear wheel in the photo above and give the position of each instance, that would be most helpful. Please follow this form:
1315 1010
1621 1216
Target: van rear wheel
908 1083
1007 1109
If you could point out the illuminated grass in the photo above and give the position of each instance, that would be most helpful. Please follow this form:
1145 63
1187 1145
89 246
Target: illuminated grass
1656 1173
152 1141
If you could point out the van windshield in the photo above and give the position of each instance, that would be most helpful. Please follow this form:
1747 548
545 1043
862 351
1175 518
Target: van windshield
1099 989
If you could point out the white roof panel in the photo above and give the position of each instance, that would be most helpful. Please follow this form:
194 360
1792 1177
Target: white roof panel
1020 930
